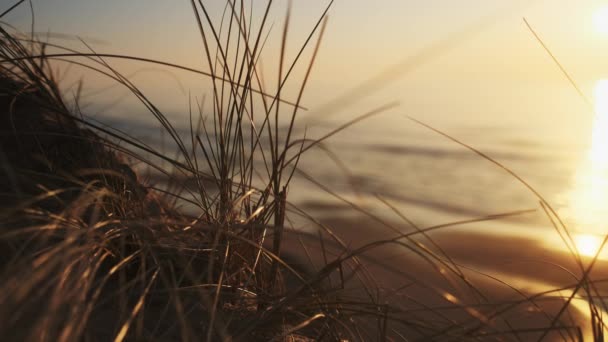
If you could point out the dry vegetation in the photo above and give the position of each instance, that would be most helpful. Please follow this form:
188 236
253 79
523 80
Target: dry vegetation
89 251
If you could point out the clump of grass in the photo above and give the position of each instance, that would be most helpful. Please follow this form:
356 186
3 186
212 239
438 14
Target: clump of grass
91 252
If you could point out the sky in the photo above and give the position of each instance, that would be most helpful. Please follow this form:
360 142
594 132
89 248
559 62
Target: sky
357 27
362 36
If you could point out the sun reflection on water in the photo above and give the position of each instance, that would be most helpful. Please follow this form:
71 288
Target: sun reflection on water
589 198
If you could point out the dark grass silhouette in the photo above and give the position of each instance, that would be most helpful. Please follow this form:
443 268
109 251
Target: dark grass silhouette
91 251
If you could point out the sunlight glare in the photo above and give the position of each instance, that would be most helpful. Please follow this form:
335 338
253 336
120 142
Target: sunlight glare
600 20
588 245
588 203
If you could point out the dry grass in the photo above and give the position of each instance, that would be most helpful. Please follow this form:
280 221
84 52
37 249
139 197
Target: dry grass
91 252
